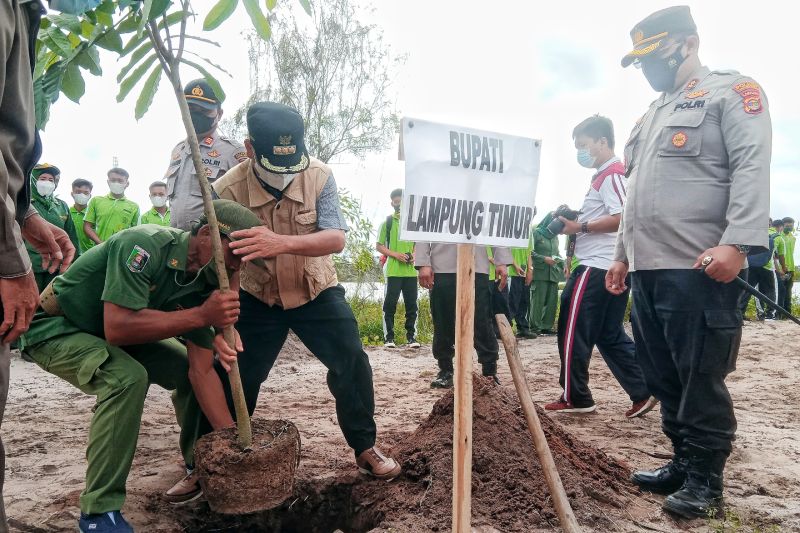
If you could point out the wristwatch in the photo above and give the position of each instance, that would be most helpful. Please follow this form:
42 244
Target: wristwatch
585 227
744 249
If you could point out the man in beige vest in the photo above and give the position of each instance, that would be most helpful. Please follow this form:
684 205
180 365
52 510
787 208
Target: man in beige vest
288 280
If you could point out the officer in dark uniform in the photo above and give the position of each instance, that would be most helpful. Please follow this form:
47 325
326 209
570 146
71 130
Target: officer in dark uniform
707 138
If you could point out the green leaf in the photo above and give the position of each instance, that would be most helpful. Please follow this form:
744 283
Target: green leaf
135 58
130 82
45 91
148 92
105 19
72 85
67 22
106 7
212 81
111 40
271 4
89 58
57 41
87 28
260 22
219 14
306 5
147 5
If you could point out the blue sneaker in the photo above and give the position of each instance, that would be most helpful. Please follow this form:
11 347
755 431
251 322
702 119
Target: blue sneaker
111 522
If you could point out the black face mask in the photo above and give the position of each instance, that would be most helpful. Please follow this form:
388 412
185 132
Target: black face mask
396 208
660 73
202 123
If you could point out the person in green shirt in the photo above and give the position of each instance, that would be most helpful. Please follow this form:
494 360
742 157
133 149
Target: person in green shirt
548 271
108 326
44 180
788 280
160 212
81 194
401 276
110 214
779 261
520 275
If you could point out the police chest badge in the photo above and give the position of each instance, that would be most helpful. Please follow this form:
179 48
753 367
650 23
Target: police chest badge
137 259
213 153
679 139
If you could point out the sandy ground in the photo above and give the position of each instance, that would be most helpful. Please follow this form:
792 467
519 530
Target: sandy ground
46 424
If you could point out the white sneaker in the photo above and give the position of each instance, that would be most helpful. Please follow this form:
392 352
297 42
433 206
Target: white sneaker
389 344
413 343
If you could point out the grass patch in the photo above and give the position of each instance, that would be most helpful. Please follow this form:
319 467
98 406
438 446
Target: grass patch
369 315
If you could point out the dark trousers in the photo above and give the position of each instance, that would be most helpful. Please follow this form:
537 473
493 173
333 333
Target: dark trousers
499 304
745 298
781 290
394 286
591 316
443 313
687 329
765 281
787 293
519 300
327 327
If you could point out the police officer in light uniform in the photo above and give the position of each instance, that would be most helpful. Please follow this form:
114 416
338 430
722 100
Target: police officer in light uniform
698 195
219 154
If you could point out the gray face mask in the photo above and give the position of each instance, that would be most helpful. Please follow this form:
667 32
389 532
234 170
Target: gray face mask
276 181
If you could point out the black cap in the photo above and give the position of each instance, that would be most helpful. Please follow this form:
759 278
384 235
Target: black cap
395 193
650 32
276 132
199 92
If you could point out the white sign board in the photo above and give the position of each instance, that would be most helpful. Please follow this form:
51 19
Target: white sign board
467 186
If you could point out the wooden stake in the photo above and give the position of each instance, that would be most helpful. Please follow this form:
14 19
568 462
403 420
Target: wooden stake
462 410
244 430
565 515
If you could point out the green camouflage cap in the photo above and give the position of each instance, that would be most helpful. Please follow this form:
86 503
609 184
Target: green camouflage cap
231 216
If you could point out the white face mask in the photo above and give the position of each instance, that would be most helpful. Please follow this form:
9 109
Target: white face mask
45 188
116 187
158 201
278 181
81 199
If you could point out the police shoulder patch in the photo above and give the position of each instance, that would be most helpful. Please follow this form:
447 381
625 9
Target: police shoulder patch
240 156
750 92
137 259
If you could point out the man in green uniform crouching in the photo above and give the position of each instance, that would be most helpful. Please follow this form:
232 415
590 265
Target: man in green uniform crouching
108 327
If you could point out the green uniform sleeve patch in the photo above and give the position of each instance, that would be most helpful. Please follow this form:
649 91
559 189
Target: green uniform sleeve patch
137 259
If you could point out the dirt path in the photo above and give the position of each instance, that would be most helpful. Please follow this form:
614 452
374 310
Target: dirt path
46 423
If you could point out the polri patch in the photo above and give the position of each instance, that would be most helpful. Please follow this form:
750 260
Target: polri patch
240 156
750 92
137 259
213 153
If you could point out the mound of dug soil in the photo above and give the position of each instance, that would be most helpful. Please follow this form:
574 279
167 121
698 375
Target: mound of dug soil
509 492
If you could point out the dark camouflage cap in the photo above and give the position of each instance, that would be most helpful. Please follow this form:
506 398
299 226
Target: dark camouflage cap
231 216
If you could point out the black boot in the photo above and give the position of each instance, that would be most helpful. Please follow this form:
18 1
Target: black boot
701 495
668 478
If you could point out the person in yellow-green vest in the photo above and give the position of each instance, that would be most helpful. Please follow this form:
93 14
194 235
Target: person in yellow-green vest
520 275
44 180
788 281
159 214
110 214
81 194
401 276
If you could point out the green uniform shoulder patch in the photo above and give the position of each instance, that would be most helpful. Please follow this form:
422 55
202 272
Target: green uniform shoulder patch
137 259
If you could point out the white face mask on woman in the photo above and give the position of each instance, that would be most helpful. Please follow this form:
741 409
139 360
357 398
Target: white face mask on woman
45 188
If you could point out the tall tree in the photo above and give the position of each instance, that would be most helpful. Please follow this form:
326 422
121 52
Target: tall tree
335 70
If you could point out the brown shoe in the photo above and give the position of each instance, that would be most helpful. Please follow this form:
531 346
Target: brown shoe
374 463
641 407
186 490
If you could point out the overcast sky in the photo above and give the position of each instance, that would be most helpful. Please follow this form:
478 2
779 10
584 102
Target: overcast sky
520 67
